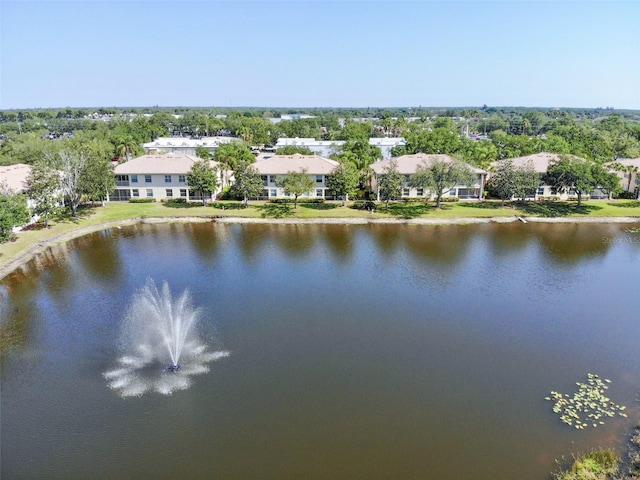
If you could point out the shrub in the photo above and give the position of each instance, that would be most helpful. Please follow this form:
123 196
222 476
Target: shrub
300 200
449 199
626 196
364 205
227 193
176 200
142 200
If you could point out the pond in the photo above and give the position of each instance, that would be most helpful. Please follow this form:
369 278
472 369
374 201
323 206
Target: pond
355 352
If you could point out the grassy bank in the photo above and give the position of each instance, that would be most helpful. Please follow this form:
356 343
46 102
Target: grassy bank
93 217
605 464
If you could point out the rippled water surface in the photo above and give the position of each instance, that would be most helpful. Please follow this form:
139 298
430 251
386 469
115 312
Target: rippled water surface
355 352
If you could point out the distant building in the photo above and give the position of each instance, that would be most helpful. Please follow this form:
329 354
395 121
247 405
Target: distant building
326 148
186 146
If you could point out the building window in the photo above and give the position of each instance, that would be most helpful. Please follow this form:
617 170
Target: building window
264 180
540 191
135 192
273 192
272 179
183 192
319 192
169 192
134 178
452 192
420 192
167 179
319 178
405 192
147 178
149 192
182 178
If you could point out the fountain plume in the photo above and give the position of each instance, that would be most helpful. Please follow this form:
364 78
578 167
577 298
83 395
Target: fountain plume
159 336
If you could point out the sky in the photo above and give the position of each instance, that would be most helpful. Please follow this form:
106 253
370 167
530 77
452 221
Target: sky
306 53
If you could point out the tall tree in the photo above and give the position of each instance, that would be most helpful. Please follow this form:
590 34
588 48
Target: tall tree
503 180
202 178
203 152
440 176
44 189
527 180
390 183
296 184
229 156
248 182
343 181
13 213
72 165
605 180
98 179
570 173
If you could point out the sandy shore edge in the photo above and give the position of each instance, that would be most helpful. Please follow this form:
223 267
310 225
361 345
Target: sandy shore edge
13 264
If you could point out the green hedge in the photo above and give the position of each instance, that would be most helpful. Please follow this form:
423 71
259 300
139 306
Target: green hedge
300 200
142 200
369 205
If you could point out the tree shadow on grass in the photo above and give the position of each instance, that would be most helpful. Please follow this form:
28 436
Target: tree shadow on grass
485 205
409 210
318 206
274 210
557 209
64 215
628 204
229 206
183 204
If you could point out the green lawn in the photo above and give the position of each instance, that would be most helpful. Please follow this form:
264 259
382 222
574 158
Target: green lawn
113 212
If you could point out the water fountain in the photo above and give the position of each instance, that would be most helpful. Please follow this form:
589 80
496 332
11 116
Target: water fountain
160 344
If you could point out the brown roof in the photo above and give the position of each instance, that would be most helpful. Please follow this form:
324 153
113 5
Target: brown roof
408 164
167 164
281 164
15 177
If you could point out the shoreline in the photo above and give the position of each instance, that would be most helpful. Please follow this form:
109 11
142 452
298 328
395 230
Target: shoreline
6 268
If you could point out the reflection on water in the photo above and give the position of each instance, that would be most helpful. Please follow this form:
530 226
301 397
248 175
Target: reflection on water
359 351
100 256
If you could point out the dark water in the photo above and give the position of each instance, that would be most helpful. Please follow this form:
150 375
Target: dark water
357 352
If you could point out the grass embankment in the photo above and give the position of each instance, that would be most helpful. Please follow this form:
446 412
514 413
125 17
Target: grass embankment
605 464
89 219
